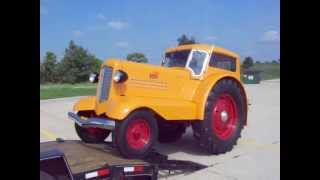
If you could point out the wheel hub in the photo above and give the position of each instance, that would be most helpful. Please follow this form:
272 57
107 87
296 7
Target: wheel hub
138 134
224 116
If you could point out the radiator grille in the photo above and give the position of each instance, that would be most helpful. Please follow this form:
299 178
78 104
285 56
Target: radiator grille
104 83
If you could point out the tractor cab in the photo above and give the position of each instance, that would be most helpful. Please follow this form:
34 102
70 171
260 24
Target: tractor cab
201 59
194 60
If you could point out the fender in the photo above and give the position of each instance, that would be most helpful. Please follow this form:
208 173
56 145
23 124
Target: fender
204 89
119 108
85 104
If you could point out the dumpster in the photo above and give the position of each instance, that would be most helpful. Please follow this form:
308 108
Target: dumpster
251 77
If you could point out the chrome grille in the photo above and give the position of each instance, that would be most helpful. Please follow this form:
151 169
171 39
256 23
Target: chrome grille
104 83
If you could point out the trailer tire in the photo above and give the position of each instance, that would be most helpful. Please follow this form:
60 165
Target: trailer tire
136 135
224 117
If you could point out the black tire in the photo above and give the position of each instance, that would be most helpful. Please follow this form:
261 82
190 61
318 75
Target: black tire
171 133
86 136
209 138
122 128
196 127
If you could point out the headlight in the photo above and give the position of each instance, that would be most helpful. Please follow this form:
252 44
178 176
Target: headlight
93 78
120 76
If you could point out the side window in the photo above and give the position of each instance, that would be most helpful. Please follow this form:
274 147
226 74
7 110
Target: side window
197 61
223 62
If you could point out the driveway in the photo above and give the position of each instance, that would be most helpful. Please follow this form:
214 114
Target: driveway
256 156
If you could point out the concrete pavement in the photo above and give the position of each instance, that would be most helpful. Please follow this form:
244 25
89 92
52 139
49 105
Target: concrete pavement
256 156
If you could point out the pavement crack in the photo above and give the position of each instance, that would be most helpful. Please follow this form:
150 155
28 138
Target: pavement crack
226 176
217 163
236 156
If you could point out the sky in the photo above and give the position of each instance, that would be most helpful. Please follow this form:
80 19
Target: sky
110 28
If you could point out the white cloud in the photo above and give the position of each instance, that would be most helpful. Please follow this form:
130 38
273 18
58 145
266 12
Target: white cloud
78 33
271 36
211 38
122 44
101 16
118 25
43 10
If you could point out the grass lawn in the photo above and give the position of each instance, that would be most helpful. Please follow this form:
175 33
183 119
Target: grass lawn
269 71
51 91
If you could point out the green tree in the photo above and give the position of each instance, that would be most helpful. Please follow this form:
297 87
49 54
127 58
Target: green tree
183 39
42 74
137 57
247 63
48 67
77 64
96 64
258 62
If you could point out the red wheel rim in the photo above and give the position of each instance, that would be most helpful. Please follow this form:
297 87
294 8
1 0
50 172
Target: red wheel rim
92 130
95 131
224 116
138 134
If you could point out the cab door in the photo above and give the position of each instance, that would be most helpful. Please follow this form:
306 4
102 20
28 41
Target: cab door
197 65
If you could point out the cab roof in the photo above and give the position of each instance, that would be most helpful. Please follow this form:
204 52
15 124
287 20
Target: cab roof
205 47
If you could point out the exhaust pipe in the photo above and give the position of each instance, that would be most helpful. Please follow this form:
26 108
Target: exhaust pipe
92 122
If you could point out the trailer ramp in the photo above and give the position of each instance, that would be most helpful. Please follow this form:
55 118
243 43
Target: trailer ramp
85 158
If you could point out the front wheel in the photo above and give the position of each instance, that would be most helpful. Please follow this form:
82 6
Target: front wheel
91 135
136 135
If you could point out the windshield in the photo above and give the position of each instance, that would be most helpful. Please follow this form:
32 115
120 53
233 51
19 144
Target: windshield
176 59
197 61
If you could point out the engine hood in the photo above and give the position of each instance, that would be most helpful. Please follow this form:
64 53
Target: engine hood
124 65
151 80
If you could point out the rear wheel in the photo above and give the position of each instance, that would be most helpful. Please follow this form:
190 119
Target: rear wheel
91 135
136 135
224 117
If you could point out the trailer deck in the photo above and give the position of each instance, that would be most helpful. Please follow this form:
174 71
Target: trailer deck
83 158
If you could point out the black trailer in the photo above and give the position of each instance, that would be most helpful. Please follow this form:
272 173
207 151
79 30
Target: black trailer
73 159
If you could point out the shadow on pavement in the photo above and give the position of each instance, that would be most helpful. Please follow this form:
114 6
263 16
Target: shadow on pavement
187 144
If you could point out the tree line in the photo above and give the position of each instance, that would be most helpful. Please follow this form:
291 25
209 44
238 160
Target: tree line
248 62
75 66
78 63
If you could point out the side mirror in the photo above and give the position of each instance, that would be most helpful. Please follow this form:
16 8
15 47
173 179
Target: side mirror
94 77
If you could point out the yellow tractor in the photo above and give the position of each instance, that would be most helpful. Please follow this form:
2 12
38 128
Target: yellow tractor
197 85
